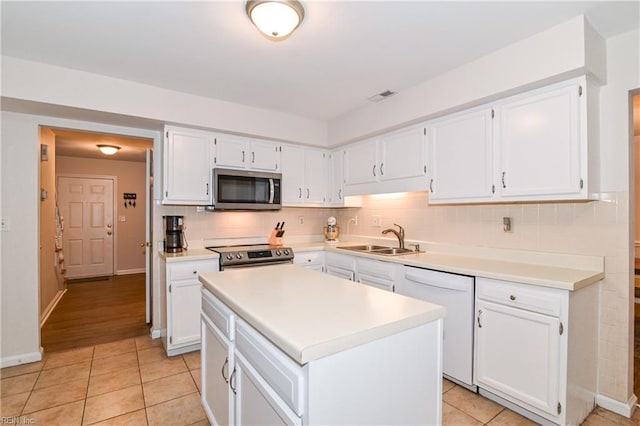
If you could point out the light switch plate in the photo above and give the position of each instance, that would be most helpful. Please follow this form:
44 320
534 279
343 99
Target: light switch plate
376 221
122 218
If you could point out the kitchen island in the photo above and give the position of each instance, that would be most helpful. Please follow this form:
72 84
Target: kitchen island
285 345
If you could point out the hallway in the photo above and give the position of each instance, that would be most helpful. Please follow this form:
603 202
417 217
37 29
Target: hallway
94 312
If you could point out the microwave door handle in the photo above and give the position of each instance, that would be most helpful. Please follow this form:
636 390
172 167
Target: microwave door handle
272 191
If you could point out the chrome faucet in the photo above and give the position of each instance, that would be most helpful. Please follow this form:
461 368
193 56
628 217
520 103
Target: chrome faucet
400 234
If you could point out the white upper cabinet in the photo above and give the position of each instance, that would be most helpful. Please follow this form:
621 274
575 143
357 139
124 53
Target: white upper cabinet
360 163
529 147
540 137
187 166
461 157
394 162
305 176
243 153
402 155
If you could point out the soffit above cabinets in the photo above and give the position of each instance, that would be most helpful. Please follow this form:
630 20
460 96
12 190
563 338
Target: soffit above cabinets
341 54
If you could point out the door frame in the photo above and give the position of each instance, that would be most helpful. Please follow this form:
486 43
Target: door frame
114 179
151 131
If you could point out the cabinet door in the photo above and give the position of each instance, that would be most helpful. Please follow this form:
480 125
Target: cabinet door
539 140
187 167
265 156
461 157
336 191
361 165
232 152
316 176
518 355
293 175
256 402
183 319
217 365
403 154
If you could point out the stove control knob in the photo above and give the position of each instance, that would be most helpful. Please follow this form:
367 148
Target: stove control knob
239 256
286 252
229 257
278 253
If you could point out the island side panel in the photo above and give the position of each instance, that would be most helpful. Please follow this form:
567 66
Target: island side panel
394 380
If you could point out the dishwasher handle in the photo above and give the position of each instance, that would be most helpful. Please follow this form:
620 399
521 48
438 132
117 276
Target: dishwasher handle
453 285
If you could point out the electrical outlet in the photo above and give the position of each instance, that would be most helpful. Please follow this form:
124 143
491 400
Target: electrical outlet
376 221
300 220
355 220
4 223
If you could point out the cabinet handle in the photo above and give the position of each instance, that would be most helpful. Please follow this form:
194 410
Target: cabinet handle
195 272
340 194
307 193
207 189
479 313
253 156
381 169
374 169
232 381
225 365
512 297
504 185
431 185
299 192
243 156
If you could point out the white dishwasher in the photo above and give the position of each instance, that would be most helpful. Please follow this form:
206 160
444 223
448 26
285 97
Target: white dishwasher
456 294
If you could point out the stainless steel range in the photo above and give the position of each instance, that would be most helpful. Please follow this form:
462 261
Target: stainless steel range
252 255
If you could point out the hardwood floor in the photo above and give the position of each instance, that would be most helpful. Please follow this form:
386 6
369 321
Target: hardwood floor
93 312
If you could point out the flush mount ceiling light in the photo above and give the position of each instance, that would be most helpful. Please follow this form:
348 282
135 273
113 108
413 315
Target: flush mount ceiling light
276 19
108 149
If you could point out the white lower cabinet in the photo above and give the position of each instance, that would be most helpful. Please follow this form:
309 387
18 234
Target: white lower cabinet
180 301
247 380
311 260
340 265
377 273
536 347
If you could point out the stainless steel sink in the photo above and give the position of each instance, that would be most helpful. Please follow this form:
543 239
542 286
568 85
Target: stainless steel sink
364 247
393 251
382 250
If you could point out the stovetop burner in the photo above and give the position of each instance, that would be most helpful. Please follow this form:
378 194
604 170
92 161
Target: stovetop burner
252 255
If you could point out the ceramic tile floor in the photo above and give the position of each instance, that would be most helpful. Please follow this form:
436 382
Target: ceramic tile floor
133 382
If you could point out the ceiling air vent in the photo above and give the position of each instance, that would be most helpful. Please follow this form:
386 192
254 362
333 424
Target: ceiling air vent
382 95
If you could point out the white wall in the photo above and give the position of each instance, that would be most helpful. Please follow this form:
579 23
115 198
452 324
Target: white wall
19 302
548 56
33 81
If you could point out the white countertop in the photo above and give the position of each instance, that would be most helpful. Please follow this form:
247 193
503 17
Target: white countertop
572 277
186 255
309 314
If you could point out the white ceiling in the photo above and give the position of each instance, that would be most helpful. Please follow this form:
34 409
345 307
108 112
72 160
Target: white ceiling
343 53
74 143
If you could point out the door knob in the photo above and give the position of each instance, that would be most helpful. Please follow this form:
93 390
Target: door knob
142 245
109 225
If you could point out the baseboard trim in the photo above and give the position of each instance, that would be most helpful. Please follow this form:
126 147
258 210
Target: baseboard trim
617 406
156 334
52 305
10 361
131 271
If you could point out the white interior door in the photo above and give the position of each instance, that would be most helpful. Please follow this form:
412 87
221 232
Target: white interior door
86 204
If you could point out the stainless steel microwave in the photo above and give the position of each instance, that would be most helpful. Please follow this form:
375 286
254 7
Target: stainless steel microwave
246 190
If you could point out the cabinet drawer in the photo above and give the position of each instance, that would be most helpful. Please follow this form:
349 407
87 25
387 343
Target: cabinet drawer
218 314
190 270
284 375
375 268
309 258
546 301
341 261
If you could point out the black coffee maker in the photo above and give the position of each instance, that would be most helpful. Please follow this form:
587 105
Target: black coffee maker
174 240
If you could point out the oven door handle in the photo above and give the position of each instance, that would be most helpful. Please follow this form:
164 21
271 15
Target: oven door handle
272 191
